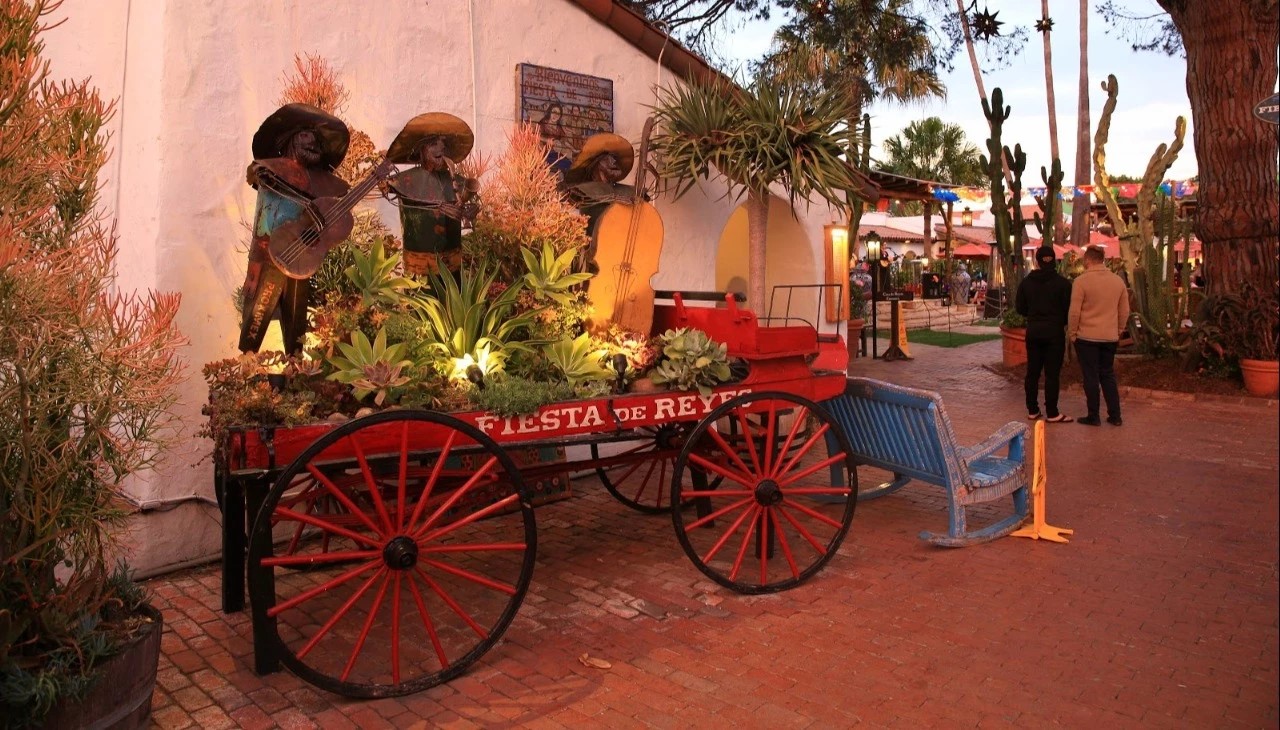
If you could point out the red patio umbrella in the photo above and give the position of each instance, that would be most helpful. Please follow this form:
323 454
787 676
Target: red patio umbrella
971 251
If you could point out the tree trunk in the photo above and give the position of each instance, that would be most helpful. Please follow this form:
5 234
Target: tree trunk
1049 95
1231 66
977 70
757 234
1080 204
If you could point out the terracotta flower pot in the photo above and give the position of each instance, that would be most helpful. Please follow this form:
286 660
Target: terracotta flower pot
1261 377
1014 350
854 338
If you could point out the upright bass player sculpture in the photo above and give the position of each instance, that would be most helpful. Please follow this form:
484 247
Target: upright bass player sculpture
626 231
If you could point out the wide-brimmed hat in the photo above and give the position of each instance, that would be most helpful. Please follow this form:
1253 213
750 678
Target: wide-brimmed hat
270 139
603 143
432 124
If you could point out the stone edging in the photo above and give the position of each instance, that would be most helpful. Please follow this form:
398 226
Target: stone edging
1132 390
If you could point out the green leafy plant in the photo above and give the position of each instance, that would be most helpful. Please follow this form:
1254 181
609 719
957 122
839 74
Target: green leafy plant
857 300
373 274
549 274
88 378
578 360
1245 325
513 396
691 359
471 320
1012 320
371 367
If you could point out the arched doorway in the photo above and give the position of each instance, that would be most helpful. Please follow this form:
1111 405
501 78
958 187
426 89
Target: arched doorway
790 258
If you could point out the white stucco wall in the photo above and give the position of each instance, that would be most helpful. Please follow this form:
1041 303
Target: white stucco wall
196 78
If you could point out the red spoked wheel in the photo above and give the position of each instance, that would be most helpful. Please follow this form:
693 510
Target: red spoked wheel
416 566
771 524
640 476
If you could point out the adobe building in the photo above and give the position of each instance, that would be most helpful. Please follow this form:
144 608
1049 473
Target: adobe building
193 80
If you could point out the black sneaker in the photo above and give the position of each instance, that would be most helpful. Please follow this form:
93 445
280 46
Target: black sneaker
1089 421
1114 420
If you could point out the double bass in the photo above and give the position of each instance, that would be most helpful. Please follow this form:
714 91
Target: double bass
628 245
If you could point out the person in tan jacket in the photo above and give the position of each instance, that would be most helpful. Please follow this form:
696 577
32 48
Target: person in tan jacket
1098 315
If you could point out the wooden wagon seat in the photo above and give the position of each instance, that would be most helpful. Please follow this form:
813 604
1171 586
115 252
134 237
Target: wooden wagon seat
739 329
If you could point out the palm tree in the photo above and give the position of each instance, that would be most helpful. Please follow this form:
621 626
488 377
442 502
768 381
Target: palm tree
931 149
1045 26
1084 156
768 134
861 50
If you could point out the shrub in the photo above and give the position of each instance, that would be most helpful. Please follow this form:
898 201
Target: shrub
87 376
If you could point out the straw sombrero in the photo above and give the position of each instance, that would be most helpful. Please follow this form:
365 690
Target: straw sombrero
432 124
270 139
602 143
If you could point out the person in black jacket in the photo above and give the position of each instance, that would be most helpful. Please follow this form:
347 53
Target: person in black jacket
1044 298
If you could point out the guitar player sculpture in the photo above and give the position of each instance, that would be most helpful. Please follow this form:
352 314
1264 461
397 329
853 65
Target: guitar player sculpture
295 152
434 199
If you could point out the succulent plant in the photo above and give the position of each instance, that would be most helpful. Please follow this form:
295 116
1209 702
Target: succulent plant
549 274
373 274
370 368
578 359
691 359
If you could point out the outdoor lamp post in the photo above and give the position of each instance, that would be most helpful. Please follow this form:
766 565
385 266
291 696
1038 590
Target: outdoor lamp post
966 217
874 253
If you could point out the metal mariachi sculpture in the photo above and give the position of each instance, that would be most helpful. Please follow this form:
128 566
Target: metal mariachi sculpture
434 198
626 231
295 152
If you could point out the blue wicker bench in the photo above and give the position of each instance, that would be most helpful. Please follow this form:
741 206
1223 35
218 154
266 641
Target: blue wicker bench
906 431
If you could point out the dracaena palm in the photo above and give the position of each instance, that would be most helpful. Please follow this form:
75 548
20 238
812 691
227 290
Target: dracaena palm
771 133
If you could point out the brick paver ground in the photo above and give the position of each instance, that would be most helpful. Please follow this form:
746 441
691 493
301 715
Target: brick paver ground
1161 612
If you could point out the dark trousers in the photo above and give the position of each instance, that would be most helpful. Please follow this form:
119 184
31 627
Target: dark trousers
1044 353
266 288
1097 367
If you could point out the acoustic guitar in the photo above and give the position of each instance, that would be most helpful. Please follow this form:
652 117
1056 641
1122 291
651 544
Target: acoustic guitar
628 245
298 246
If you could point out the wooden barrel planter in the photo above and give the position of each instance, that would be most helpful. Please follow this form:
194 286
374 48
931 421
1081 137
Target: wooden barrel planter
1014 346
1261 377
121 698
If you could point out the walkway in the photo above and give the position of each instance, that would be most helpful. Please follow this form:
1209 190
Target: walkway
1161 612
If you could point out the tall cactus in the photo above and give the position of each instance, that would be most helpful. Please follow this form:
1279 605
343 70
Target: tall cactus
1050 205
1138 239
1006 223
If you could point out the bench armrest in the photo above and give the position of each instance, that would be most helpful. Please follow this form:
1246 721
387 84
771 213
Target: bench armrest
1013 433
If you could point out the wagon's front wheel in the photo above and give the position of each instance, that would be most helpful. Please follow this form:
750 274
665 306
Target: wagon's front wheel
764 528
416 567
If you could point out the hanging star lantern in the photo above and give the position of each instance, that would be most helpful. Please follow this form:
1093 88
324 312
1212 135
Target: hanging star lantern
985 25
1044 25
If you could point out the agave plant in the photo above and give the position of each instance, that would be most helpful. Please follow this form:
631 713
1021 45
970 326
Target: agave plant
371 368
578 359
466 323
374 275
549 274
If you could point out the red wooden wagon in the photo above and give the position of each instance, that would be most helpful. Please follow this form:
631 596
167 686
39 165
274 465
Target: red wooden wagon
388 553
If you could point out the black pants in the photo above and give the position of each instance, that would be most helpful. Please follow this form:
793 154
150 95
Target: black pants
1097 366
266 291
1044 353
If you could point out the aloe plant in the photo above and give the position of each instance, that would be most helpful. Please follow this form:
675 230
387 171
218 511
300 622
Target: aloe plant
549 275
691 359
371 367
466 324
578 359
374 275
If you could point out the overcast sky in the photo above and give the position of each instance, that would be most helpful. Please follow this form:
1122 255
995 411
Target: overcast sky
1152 93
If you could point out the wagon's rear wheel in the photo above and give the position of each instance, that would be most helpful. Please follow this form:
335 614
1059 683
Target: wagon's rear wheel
763 529
641 478
417 562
